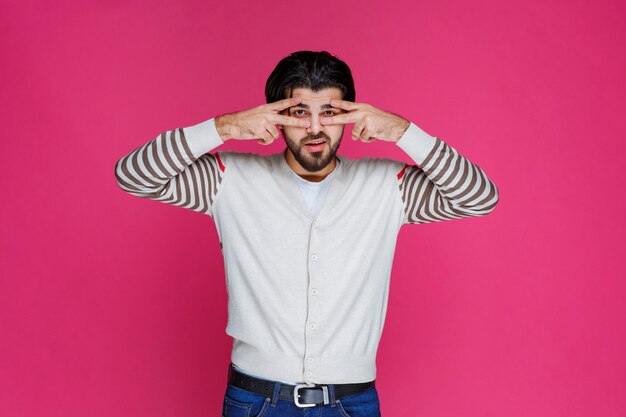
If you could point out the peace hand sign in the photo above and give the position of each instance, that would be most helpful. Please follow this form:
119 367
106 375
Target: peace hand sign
259 122
370 123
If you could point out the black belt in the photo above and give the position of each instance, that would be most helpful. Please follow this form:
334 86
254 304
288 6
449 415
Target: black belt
308 395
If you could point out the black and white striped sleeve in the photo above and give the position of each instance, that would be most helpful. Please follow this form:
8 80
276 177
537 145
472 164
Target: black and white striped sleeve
176 168
442 184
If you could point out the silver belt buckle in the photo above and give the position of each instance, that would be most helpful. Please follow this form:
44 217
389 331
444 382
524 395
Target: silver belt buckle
302 405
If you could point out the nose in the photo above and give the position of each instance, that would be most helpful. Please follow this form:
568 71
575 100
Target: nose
315 125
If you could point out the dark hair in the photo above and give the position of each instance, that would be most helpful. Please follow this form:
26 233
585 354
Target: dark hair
309 69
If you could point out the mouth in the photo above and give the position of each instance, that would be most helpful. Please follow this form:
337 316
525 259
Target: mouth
315 145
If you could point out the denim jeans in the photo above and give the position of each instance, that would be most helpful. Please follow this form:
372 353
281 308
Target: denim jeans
242 403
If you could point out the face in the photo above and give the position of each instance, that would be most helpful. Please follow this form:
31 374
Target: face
314 105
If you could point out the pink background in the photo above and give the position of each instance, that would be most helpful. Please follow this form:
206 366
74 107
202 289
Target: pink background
111 305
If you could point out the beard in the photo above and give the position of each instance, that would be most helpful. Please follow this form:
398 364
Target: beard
313 161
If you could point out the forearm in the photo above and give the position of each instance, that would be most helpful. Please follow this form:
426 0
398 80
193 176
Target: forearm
175 167
443 185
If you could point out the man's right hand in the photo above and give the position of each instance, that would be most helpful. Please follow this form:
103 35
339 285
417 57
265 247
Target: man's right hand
259 122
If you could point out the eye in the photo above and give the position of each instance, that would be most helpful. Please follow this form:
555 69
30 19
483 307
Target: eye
331 113
296 112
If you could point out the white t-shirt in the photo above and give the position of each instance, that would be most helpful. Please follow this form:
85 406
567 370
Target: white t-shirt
315 192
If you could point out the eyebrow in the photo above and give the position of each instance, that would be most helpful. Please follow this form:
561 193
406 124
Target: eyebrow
306 106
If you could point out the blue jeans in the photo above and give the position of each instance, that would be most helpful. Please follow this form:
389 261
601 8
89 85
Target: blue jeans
242 403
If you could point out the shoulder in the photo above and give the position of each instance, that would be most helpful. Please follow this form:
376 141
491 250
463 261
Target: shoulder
374 166
230 157
243 164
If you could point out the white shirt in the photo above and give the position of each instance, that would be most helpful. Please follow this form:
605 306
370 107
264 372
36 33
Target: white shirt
315 192
307 293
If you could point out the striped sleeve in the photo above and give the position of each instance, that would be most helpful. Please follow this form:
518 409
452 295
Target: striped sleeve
442 184
176 168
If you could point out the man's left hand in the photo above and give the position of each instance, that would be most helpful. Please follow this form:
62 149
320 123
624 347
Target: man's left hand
370 123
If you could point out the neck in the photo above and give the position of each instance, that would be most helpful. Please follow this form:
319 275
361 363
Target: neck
307 175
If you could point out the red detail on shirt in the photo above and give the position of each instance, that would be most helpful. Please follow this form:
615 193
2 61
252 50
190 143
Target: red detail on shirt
219 161
401 173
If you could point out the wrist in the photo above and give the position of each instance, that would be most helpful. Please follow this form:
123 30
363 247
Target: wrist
402 130
223 127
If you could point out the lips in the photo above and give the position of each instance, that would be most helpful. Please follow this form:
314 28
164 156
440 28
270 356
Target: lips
313 146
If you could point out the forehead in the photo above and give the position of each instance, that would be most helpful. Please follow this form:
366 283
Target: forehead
316 97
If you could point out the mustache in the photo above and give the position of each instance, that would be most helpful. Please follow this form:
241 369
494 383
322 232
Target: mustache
313 137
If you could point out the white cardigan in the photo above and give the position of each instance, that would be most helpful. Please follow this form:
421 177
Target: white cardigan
307 295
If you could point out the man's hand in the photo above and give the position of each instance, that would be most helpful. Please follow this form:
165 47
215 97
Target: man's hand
370 123
259 122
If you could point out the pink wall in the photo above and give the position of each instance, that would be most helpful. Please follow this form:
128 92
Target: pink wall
111 305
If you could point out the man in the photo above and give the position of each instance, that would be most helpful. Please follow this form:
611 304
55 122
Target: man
308 236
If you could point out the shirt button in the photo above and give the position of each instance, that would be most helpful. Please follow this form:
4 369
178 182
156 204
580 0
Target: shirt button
312 325
314 257
309 373
310 359
314 291
315 223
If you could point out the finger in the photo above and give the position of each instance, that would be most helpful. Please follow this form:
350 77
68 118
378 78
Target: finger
340 119
289 121
265 138
357 130
366 135
344 104
273 131
284 103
